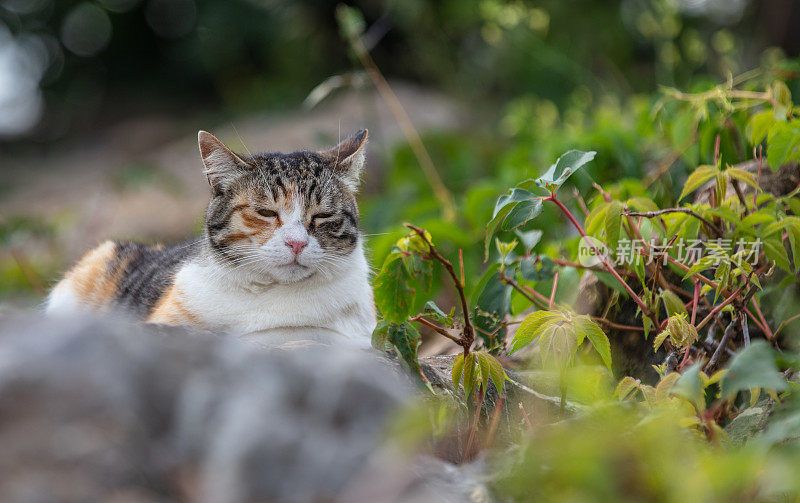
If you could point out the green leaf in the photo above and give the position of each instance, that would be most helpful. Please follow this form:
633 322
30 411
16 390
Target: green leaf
458 369
690 386
393 295
758 126
698 177
752 367
532 269
563 168
433 311
496 373
559 343
699 266
659 339
492 303
613 222
642 204
743 176
774 250
589 329
531 328
626 387
529 239
783 144
405 338
502 208
380 336
522 213
470 377
595 219
672 303
483 366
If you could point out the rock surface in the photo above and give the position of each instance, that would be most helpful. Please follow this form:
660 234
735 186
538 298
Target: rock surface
104 410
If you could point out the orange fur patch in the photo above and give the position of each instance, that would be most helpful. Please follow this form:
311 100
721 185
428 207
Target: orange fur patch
170 310
92 280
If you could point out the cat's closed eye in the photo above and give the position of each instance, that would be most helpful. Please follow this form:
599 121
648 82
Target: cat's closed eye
320 216
267 213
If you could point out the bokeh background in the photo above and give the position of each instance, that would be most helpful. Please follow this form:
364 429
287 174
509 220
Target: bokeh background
100 102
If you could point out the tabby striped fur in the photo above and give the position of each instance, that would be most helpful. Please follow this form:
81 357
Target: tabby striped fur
281 250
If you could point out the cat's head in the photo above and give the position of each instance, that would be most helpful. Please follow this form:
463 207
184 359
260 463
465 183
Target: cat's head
285 217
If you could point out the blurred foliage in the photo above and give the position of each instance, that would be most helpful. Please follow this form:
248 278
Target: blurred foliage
97 60
671 95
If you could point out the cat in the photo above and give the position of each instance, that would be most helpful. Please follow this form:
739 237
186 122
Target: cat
281 253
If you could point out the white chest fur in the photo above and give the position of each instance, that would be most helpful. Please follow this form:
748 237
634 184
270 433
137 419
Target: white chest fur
223 299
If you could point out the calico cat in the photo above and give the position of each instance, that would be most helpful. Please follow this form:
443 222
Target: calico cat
281 250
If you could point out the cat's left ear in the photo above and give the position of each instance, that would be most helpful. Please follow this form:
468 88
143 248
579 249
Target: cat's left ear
221 165
348 157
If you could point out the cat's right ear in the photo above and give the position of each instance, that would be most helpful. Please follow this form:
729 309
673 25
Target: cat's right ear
221 165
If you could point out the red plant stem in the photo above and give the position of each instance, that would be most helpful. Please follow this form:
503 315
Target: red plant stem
609 267
498 408
468 332
525 416
764 327
695 301
568 263
474 427
436 328
553 292
529 293
685 357
719 307
617 326
752 318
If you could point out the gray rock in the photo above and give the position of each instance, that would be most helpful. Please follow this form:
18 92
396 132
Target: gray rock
105 410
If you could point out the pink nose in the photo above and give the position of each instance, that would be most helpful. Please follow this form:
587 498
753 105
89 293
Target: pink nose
296 246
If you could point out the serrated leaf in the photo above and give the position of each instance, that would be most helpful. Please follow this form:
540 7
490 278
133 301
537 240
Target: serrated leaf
672 303
698 177
558 343
587 328
642 204
497 374
435 312
758 126
752 367
699 266
563 168
774 250
665 385
531 328
405 338
659 340
626 387
458 369
470 375
783 144
393 295
595 219
522 213
483 366
743 176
